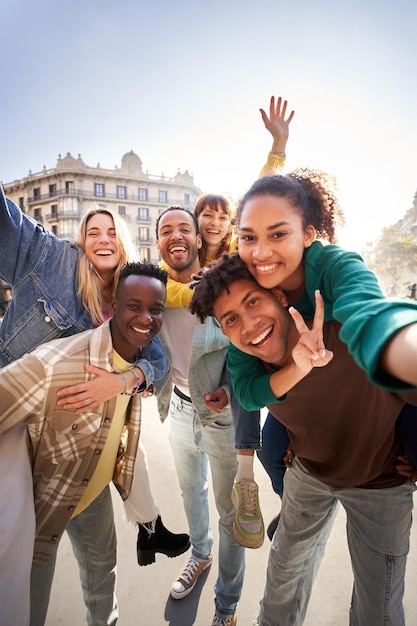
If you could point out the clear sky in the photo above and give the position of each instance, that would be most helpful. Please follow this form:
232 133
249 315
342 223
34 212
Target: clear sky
181 83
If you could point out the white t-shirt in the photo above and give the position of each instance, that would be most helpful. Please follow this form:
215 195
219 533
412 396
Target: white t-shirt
178 328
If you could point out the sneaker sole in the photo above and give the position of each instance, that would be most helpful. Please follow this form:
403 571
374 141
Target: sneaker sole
245 541
178 595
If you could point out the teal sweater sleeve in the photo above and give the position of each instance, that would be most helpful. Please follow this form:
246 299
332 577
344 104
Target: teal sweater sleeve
353 297
250 381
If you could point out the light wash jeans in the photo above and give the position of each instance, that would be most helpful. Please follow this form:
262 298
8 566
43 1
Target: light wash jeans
378 530
193 447
93 538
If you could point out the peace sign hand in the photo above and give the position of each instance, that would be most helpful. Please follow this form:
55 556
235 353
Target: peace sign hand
310 350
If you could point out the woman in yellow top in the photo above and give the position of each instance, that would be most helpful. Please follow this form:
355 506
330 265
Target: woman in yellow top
215 218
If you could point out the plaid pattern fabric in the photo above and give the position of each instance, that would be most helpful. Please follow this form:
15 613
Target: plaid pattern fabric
64 446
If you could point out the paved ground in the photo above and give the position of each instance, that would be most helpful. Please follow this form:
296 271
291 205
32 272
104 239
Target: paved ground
143 592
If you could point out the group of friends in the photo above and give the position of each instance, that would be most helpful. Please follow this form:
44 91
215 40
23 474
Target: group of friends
247 309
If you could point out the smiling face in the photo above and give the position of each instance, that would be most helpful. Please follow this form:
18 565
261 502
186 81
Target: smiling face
137 314
256 322
272 240
214 225
178 244
101 245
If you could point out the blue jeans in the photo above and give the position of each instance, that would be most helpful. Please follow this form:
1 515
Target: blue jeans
275 442
406 426
247 423
93 538
194 446
378 530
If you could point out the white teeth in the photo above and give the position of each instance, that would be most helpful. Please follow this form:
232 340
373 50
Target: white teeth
261 337
104 252
140 330
265 268
177 249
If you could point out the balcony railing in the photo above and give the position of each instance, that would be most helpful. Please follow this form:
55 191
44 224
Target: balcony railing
59 215
144 240
130 197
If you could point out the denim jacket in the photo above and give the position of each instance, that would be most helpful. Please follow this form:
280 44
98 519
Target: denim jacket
42 270
206 371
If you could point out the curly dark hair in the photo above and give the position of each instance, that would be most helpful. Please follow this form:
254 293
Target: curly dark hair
143 269
310 193
214 281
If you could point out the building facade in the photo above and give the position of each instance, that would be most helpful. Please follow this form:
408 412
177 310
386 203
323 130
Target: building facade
58 198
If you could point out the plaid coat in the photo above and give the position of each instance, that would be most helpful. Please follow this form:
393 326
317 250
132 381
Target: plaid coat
64 446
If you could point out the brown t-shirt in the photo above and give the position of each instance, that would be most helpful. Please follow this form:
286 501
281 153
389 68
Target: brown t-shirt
345 439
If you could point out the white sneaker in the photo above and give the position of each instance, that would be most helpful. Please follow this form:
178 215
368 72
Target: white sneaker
188 576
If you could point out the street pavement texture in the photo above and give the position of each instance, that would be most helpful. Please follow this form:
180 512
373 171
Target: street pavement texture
143 592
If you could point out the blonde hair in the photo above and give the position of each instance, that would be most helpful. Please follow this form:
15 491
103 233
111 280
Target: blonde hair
89 281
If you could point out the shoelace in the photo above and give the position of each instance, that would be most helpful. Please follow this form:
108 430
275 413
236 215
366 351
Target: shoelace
249 499
225 621
189 570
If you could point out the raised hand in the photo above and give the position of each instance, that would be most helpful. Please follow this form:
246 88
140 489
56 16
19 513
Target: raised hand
277 125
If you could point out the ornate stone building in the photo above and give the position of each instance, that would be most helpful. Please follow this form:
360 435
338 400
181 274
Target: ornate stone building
59 197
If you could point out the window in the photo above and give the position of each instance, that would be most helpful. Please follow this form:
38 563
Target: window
144 254
143 195
143 214
37 193
163 197
186 198
122 211
55 229
52 190
121 192
54 211
69 186
99 190
37 214
21 203
143 233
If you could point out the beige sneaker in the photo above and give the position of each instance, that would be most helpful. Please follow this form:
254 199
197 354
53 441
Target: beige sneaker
248 525
224 621
188 576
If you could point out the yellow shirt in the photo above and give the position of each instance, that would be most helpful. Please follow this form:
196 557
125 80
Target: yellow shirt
105 467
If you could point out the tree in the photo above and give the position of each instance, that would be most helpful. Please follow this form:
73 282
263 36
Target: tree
394 260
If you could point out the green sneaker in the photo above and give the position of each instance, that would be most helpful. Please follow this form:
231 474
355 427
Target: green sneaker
248 526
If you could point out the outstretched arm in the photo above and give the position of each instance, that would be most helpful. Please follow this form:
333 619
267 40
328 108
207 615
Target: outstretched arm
104 386
399 357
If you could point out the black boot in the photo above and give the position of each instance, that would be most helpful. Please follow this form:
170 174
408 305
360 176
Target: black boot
273 524
161 540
